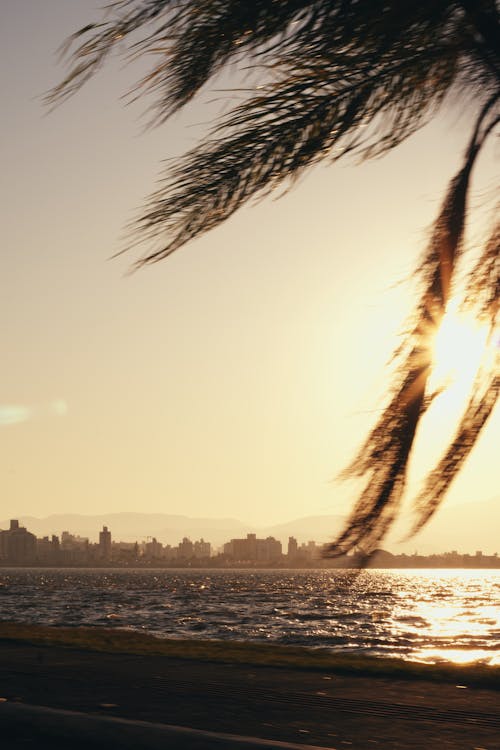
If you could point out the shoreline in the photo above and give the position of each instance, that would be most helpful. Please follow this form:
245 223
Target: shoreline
492 564
100 639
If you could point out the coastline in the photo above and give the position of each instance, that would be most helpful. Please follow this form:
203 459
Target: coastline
276 693
126 641
398 563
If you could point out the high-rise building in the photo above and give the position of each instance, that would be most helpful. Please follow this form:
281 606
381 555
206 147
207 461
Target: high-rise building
293 548
202 549
46 550
268 550
73 541
253 549
186 549
105 543
17 545
153 549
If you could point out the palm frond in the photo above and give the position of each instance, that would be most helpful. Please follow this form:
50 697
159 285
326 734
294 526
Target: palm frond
485 393
483 295
356 75
483 288
383 459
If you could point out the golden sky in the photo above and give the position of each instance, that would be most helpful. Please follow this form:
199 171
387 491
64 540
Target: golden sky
238 377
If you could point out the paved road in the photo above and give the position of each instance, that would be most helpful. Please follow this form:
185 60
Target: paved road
312 708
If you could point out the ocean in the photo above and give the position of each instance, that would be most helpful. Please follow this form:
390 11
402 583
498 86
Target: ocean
426 615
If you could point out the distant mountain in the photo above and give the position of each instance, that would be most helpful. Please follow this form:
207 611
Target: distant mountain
466 528
168 529
309 528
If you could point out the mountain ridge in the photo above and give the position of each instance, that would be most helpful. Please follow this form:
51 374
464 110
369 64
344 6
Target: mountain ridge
466 528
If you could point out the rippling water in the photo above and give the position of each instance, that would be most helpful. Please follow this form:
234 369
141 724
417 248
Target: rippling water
417 615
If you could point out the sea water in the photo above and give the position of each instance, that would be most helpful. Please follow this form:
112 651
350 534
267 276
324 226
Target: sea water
430 615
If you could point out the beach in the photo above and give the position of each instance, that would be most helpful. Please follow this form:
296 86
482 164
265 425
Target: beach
247 692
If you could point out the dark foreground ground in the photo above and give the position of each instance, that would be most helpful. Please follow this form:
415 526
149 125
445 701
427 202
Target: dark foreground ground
301 705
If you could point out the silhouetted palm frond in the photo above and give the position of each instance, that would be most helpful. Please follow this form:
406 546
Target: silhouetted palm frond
484 295
338 76
344 76
484 281
384 457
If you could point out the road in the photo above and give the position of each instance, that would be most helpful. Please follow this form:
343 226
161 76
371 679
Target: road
291 705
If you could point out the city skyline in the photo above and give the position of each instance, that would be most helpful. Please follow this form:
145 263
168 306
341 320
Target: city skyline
19 546
168 529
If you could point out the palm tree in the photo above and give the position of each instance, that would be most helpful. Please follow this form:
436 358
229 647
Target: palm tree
338 77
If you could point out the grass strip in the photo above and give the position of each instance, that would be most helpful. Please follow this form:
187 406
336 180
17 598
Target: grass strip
122 641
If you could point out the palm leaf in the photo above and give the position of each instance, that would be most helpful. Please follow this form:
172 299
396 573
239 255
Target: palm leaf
484 296
345 76
383 459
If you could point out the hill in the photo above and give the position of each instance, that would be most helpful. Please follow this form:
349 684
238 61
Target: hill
465 528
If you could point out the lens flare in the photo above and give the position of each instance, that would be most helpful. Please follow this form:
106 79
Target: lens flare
59 407
14 414
11 414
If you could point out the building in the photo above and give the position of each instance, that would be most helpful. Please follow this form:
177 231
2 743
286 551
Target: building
293 548
74 549
105 543
73 541
17 545
47 550
252 549
202 549
309 551
170 553
242 549
185 550
125 552
268 550
153 549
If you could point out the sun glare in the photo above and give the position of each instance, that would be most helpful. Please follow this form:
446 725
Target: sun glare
457 351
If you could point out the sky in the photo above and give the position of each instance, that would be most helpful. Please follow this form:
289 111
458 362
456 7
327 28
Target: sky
237 378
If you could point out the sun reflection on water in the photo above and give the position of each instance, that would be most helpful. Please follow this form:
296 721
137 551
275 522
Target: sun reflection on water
453 621
416 615
457 656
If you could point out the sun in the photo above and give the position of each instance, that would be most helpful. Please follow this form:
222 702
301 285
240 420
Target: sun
463 352
457 350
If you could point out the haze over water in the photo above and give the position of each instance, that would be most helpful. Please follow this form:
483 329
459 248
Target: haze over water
429 616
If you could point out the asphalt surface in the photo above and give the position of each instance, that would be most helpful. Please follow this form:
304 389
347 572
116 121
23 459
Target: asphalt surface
288 705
